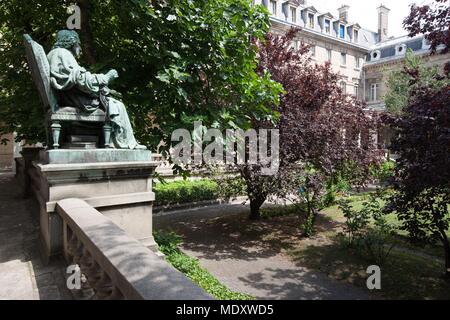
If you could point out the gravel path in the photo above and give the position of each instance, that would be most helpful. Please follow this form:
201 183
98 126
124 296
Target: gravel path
243 262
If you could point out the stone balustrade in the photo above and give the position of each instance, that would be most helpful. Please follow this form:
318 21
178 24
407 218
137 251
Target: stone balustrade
115 265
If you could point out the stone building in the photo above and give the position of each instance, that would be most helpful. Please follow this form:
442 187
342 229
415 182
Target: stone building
362 57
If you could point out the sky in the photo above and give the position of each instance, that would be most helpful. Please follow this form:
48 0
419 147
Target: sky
364 12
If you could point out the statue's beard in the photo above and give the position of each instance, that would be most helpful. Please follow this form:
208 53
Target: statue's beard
76 50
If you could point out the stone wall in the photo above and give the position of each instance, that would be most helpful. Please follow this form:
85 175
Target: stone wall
116 265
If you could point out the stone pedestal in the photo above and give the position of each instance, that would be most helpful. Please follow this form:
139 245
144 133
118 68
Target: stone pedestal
118 183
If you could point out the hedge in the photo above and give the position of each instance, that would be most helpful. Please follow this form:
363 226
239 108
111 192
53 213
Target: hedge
185 191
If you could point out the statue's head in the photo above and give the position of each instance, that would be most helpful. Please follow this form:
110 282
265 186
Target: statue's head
68 39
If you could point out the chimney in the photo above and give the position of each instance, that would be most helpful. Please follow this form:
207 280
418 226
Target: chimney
383 15
343 12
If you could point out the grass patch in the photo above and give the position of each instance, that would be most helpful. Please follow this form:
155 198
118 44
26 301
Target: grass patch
401 239
403 276
168 244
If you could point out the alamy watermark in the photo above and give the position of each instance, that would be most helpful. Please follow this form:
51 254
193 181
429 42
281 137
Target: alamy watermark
374 280
75 278
74 21
233 147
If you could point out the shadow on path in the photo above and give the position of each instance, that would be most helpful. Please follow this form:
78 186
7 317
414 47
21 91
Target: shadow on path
23 276
249 256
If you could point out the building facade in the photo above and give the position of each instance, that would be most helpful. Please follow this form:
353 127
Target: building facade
363 58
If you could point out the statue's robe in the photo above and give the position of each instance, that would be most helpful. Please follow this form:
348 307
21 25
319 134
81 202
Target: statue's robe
77 87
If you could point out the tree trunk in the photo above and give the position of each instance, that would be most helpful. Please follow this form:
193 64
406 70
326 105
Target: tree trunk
86 33
255 206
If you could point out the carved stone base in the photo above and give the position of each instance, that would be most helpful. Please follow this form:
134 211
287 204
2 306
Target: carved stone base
121 190
81 142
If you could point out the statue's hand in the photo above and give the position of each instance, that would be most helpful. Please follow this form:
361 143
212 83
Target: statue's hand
115 94
112 75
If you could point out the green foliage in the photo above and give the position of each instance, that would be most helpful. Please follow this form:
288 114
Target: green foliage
356 222
185 191
229 186
336 185
367 230
168 244
384 171
403 83
178 61
307 227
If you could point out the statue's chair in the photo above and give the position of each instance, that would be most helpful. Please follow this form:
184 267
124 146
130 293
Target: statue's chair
58 117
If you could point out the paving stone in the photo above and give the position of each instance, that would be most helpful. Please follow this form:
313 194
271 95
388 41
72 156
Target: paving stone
23 276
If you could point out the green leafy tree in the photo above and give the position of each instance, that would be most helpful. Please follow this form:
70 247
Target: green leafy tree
403 83
178 61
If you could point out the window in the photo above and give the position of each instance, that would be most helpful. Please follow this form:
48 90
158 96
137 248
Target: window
329 55
343 86
343 59
327 26
311 20
356 90
357 62
295 44
273 7
374 91
375 55
312 50
293 15
342 31
355 35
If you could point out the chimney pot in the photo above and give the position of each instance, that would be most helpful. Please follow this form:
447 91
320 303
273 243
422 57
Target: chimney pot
343 12
383 18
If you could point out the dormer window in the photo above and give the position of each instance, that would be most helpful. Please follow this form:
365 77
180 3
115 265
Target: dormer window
273 7
327 26
311 20
355 35
293 14
342 31
400 49
375 55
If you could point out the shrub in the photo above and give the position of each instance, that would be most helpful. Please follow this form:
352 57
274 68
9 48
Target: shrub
376 241
356 222
334 188
185 191
229 187
168 244
384 171
307 226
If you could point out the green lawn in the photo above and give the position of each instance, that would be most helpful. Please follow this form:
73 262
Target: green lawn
410 272
334 213
404 276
